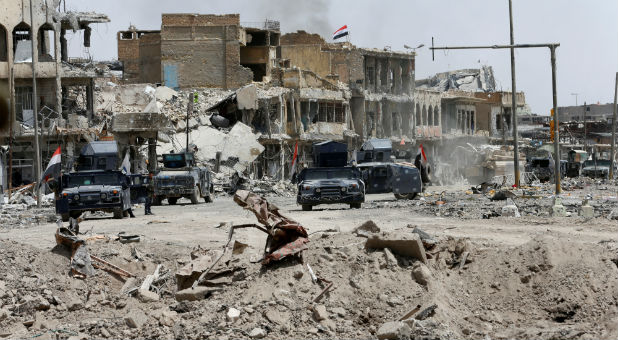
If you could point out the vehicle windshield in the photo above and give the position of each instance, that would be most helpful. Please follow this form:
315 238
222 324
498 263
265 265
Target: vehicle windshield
174 160
543 163
316 174
599 162
98 179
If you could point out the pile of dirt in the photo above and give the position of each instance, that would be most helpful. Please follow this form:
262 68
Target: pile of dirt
545 289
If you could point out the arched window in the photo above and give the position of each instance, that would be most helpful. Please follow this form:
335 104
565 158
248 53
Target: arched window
436 116
430 116
47 43
418 115
424 121
22 48
4 46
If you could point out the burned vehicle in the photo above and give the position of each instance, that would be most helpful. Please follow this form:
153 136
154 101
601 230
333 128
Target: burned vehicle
330 186
180 177
541 167
97 185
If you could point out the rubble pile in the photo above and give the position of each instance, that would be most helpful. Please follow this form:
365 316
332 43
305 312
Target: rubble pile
346 286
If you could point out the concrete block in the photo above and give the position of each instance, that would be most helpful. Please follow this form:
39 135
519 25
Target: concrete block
557 209
147 296
320 313
136 318
421 273
193 294
391 260
257 333
404 244
233 315
393 330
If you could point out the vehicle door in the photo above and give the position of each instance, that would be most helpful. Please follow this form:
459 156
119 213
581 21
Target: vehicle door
404 179
376 179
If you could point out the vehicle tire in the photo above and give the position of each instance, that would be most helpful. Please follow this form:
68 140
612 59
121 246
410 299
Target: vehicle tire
208 198
307 207
195 195
172 200
117 213
409 196
355 206
65 217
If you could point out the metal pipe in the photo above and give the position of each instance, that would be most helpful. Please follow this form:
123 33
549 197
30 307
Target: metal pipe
557 173
514 101
35 110
613 148
495 46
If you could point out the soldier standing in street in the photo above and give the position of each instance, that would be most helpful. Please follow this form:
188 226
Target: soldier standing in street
149 196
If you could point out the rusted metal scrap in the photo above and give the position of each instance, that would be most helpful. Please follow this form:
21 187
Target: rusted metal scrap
82 263
285 236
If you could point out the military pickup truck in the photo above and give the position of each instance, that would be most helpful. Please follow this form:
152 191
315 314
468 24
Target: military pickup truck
330 186
97 185
180 177
93 190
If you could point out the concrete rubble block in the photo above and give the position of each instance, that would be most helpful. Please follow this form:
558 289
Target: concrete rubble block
391 260
241 143
404 244
557 209
193 123
164 93
320 313
194 294
393 330
181 126
233 315
510 209
136 318
147 296
276 317
421 273
586 211
366 229
257 333
129 284
74 304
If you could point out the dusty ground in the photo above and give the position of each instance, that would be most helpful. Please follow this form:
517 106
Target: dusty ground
529 277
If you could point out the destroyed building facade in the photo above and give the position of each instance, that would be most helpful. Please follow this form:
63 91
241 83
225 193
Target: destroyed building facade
65 89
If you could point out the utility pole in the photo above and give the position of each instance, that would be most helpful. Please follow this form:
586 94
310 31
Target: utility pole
514 102
575 94
585 130
557 171
552 48
35 111
613 148
189 111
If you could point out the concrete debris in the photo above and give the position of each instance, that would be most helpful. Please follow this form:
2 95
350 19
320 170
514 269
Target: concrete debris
366 229
404 244
586 211
319 313
557 209
257 333
136 318
510 209
421 273
233 315
393 330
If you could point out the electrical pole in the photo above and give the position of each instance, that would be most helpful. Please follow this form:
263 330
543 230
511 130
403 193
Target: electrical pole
514 102
575 94
35 111
552 48
585 130
557 172
189 111
613 148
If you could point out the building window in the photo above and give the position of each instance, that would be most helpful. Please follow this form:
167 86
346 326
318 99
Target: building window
22 48
4 47
126 35
370 75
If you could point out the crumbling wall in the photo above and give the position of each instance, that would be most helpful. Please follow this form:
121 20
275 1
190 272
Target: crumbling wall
308 57
202 51
129 55
301 38
150 58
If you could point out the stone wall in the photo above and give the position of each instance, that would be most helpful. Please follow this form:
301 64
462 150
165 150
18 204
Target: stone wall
150 58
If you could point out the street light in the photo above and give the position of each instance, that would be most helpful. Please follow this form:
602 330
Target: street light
413 48
575 94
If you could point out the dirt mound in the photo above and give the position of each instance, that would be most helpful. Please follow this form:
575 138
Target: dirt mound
543 289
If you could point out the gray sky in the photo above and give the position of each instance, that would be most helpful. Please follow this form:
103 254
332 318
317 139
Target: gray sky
586 29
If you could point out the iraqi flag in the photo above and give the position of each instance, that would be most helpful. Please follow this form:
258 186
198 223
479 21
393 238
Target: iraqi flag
125 167
340 33
294 161
421 151
53 168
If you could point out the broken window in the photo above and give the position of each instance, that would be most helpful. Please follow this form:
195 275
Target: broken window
257 38
274 39
4 47
370 75
126 35
339 113
259 70
22 48
47 43
23 105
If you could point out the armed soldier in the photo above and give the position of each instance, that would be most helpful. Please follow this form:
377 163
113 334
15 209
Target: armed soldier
149 196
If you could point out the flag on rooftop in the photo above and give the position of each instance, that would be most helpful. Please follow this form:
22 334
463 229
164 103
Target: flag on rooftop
342 32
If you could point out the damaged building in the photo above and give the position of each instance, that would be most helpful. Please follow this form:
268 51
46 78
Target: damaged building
65 86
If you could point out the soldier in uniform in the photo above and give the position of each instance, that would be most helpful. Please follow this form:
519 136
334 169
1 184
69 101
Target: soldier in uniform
149 196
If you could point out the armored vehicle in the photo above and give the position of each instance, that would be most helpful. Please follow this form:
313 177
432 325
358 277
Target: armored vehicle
575 161
541 167
330 186
96 185
180 177
598 168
